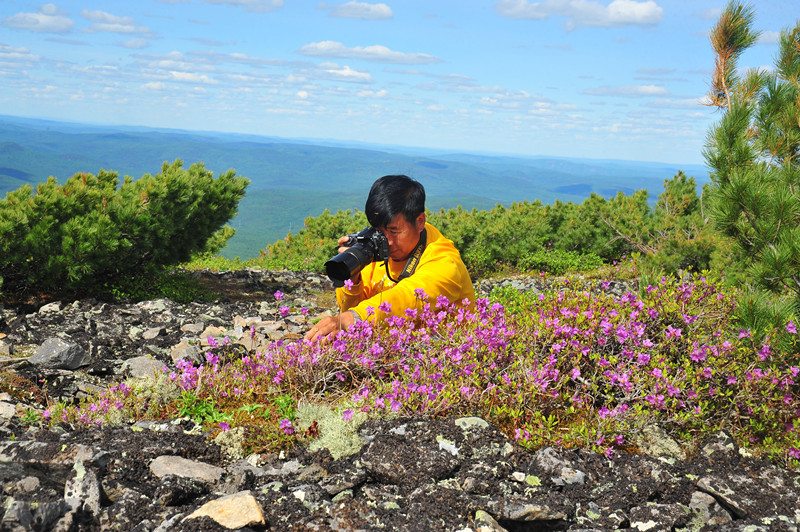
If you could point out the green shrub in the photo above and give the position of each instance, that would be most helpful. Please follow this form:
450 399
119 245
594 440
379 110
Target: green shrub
559 262
92 232
177 285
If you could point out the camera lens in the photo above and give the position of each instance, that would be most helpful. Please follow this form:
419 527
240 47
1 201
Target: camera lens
347 263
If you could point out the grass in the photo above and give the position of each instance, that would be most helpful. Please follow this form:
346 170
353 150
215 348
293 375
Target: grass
573 366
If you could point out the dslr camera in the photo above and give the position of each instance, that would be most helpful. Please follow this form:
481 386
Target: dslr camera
368 245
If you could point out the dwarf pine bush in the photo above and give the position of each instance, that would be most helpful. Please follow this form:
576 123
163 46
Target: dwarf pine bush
92 231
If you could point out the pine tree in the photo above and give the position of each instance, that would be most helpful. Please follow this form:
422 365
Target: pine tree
753 155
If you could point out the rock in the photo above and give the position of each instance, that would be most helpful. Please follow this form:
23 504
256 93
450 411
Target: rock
653 516
56 353
232 511
486 523
549 460
6 348
142 367
82 490
185 351
656 442
181 467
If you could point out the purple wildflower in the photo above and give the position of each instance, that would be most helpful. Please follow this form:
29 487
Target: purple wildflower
287 426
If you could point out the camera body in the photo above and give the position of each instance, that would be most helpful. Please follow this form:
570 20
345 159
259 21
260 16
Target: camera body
368 245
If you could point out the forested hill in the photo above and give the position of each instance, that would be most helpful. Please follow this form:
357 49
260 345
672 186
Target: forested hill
294 179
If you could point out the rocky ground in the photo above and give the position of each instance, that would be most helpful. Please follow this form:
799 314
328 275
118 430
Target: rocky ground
401 474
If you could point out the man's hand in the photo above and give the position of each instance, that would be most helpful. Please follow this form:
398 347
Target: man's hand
327 327
355 279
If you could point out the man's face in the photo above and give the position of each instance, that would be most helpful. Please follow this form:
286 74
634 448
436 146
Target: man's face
403 236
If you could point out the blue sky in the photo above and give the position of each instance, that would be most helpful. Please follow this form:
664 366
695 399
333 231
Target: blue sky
621 79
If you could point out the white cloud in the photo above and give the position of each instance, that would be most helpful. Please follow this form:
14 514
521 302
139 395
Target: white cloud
213 57
629 91
584 12
190 77
103 17
135 44
377 53
106 22
10 54
769 37
49 19
373 94
154 85
685 103
254 6
343 73
362 10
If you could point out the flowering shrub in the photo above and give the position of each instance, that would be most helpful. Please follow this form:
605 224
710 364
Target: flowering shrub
572 366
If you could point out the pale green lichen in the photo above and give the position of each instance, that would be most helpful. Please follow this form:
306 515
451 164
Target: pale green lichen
338 435
533 480
232 441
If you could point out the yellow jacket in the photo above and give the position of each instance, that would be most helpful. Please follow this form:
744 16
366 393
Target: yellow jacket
440 272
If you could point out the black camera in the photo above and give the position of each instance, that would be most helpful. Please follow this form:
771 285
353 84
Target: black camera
368 245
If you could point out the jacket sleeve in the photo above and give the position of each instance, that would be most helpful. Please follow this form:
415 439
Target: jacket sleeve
442 274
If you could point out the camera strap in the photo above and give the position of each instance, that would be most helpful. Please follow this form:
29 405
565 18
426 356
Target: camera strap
413 260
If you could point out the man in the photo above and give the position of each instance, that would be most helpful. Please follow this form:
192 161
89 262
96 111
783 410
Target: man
419 258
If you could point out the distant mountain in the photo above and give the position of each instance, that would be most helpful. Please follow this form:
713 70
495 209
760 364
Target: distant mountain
294 179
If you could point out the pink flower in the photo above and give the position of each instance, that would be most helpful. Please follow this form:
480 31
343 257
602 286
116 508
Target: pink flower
225 427
385 307
744 333
791 328
287 426
279 295
284 310
347 415
348 284
765 352
672 332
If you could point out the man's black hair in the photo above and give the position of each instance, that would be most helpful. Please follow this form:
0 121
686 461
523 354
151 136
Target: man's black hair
391 195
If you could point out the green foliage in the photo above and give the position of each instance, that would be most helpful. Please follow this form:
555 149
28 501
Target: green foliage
92 232
217 241
559 262
285 405
313 245
529 235
753 152
152 283
202 411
